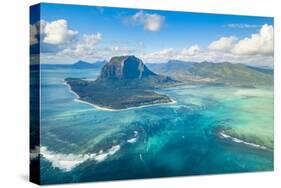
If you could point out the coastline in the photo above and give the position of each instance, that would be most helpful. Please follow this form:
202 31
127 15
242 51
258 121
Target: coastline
70 90
113 110
223 135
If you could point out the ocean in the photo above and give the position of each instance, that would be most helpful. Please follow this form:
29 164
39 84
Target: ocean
209 130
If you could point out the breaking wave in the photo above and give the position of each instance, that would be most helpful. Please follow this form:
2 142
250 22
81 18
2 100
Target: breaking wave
67 162
134 139
237 140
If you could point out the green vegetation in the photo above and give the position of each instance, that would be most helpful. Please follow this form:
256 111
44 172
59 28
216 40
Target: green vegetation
124 82
114 94
216 73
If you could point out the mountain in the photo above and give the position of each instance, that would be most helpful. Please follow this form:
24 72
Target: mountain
215 73
170 66
125 67
81 65
265 69
100 64
86 65
130 70
124 82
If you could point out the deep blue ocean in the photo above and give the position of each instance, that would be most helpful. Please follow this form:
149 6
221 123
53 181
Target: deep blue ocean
191 137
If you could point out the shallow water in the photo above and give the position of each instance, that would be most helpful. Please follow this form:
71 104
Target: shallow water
81 143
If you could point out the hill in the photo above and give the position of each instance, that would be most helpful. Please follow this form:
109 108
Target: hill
86 65
215 73
124 82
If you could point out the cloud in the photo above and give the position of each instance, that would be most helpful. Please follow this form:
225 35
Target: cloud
160 56
51 33
58 41
84 47
223 44
33 35
190 51
65 46
36 31
59 44
242 26
57 32
261 43
171 53
89 48
150 22
118 50
195 54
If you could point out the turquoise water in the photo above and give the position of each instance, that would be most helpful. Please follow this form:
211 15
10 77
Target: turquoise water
80 143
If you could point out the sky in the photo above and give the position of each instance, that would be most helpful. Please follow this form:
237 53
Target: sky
68 33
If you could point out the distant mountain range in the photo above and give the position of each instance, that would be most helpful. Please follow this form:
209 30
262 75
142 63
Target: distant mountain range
214 73
86 65
77 65
125 81
130 67
264 69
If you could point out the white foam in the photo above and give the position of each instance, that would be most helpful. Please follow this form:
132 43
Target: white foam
237 140
224 135
114 149
67 162
34 153
132 140
141 158
102 156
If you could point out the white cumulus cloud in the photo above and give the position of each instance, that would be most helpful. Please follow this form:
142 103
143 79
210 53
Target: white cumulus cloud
53 33
36 31
261 43
57 32
223 44
191 51
33 35
195 54
84 47
162 55
150 22
171 53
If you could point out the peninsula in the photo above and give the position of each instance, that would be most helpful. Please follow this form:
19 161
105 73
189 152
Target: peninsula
124 82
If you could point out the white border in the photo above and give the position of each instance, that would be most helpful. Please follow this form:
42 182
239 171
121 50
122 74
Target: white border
14 91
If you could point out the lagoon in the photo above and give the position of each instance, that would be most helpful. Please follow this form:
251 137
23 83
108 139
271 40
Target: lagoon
82 143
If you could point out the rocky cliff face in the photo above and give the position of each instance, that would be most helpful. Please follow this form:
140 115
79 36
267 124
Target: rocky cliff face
125 67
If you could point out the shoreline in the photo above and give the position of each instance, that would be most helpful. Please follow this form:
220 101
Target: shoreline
109 109
239 141
70 90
